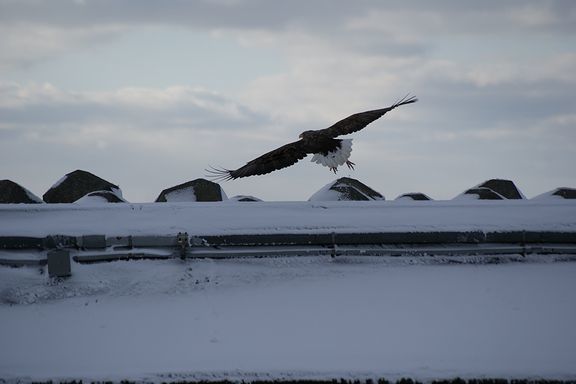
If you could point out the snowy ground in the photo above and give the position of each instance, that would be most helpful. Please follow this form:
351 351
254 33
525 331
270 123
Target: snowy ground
310 317
301 317
232 217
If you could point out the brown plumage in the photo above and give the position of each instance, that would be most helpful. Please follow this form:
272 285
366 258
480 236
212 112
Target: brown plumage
321 142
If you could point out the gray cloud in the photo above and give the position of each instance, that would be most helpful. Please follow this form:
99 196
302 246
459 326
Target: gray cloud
176 107
443 15
213 14
376 27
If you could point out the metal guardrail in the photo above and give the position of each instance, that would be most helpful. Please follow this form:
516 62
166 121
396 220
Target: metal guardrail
57 250
182 239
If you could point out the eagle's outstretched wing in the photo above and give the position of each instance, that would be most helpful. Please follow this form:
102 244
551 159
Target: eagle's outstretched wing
279 158
360 120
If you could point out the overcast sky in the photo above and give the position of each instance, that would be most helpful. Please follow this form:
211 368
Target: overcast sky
147 94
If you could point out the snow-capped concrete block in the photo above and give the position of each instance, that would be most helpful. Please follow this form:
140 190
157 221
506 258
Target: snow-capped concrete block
195 190
346 188
493 189
244 198
100 197
77 184
558 193
414 196
566 193
14 193
505 188
480 193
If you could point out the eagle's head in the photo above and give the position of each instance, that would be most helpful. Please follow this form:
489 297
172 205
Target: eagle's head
306 134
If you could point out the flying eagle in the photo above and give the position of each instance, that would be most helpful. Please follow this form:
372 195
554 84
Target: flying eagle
327 150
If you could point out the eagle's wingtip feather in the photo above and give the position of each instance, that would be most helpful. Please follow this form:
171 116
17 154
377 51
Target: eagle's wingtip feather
407 99
219 174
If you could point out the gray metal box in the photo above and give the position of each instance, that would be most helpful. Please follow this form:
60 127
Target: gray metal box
59 263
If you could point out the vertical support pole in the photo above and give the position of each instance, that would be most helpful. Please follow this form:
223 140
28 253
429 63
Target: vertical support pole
523 243
182 241
334 251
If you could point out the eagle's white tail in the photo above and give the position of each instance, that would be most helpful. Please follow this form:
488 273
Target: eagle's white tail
335 158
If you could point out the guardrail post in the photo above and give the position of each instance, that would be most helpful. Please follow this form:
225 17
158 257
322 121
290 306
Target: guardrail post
334 250
182 241
59 263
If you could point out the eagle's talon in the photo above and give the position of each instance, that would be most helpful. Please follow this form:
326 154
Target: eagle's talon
350 164
334 169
